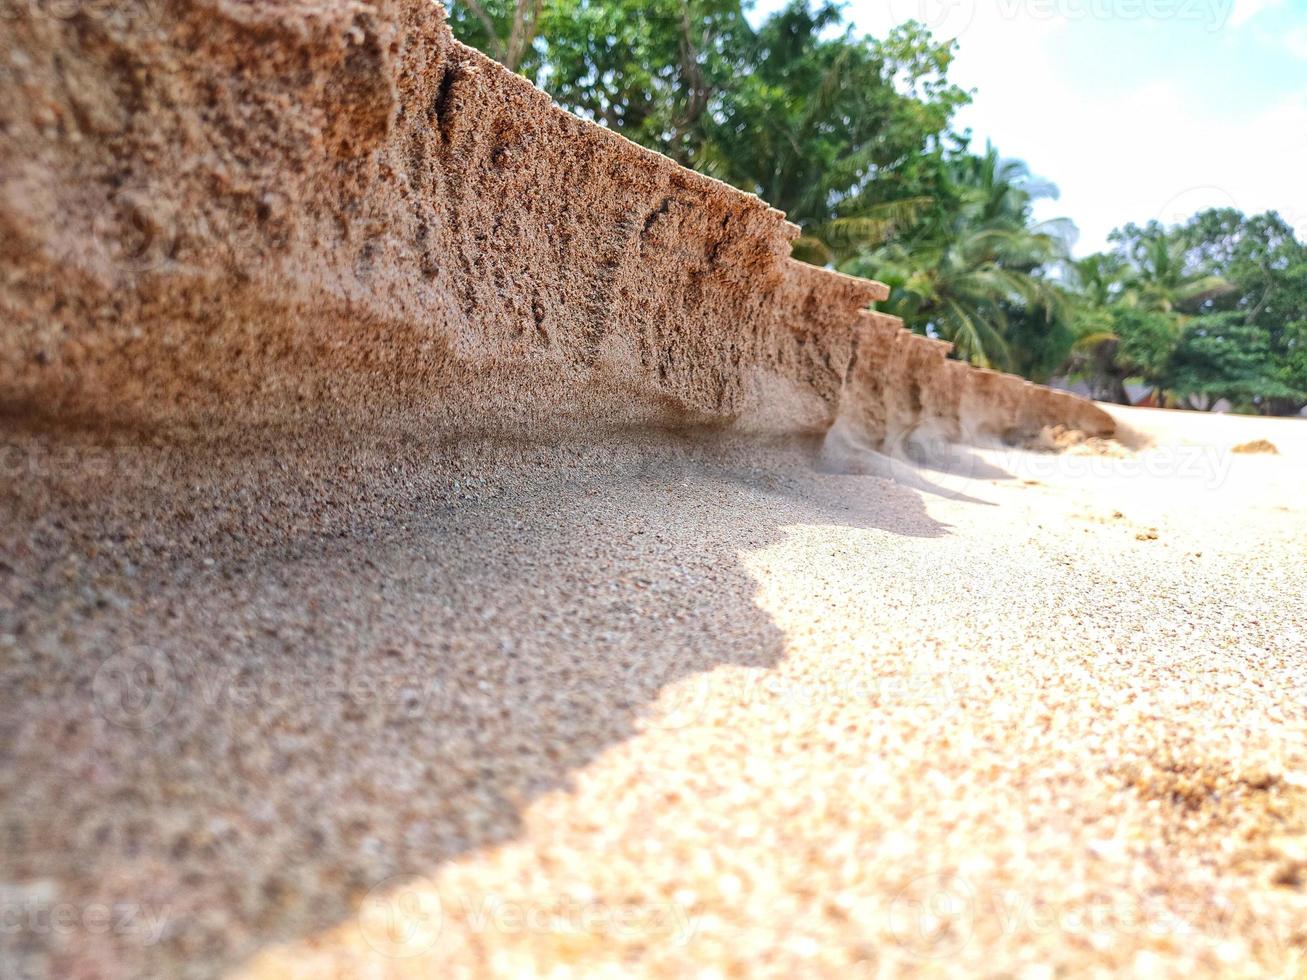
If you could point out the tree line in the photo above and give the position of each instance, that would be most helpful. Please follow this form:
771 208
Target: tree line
854 138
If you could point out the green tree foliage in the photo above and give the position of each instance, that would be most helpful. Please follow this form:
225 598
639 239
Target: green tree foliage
1267 265
1223 355
1147 340
1204 311
852 136
979 278
649 69
1160 272
844 134
507 30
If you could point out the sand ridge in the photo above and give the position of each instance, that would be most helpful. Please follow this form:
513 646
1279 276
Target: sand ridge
231 217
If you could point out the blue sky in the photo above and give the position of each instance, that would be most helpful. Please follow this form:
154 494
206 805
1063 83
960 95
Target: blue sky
1134 108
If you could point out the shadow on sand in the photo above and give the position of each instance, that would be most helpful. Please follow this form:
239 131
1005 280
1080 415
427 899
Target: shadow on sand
244 746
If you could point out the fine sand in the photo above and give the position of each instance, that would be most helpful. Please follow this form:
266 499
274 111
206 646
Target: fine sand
657 705
440 537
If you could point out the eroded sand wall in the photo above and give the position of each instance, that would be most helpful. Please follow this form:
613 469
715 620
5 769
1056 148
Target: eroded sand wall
225 214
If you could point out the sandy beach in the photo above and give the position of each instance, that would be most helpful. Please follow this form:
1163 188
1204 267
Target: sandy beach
442 537
661 706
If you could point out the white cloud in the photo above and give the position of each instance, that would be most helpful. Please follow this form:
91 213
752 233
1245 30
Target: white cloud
1246 10
1155 152
1296 41
1131 169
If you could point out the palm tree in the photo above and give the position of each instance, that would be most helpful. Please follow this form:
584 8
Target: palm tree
1135 306
824 242
1098 284
1160 279
967 278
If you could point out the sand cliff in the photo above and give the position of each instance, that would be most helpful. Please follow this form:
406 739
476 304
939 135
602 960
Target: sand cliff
226 216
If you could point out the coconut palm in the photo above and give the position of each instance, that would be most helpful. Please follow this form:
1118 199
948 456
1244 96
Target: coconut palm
1098 284
1135 307
1159 276
967 278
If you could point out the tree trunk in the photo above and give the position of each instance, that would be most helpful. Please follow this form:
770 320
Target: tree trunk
1116 390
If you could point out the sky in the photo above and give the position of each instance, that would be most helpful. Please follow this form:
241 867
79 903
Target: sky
1136 109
